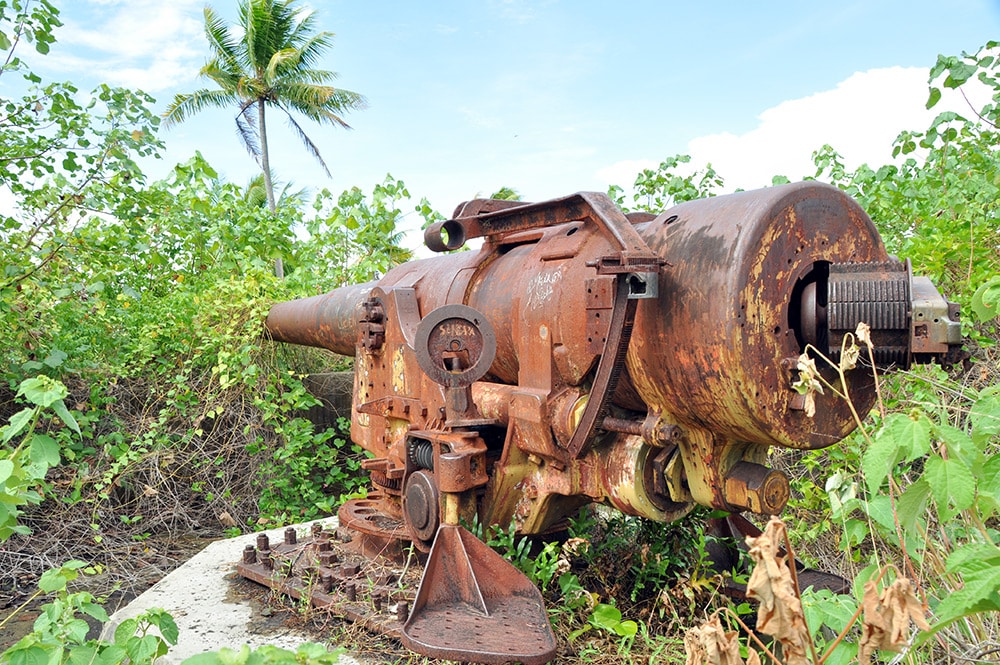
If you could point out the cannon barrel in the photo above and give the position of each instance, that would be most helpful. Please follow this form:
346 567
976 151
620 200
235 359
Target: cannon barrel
328 321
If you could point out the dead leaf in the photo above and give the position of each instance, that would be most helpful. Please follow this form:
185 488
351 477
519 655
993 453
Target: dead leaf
711 644
149 491
886 622
227 520
864 334
780 612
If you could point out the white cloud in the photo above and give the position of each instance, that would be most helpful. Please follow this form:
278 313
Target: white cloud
147 44
860 118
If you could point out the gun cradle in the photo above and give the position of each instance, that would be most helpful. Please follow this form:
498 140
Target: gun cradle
584 355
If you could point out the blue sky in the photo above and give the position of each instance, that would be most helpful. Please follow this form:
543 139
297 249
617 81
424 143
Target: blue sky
550 96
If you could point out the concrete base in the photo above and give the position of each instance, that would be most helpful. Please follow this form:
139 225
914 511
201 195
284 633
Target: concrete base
199 597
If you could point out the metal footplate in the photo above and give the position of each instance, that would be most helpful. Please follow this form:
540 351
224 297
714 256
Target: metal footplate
473 605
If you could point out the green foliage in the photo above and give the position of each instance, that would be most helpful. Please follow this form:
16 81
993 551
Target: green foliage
828 614
59 635
312 473
986 299
540 567
656 190
355 238
506 194
609 618
23 468
305 654
34 22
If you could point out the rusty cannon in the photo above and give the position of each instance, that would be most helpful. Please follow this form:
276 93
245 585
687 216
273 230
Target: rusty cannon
585 355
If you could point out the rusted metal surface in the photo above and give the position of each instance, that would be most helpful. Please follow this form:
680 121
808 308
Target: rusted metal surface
331 574
582 355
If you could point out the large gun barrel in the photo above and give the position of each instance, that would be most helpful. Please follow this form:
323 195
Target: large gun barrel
328 321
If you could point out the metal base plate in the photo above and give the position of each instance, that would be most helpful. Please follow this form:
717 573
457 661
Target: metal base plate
333 572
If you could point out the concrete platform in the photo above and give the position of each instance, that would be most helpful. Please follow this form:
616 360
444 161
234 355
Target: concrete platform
199 595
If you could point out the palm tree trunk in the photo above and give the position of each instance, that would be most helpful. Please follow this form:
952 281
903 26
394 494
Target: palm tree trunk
265 163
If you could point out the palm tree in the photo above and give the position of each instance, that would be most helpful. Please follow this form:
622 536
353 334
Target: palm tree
269 62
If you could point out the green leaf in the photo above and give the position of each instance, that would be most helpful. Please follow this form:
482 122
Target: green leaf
52 580
984 417
879 508
33 655
959 445
950 479
6 470
902 436
142 649
934 98
165 622
973 557
77 630
60 408
959 73
42 391
44 450
17 423
125 630
55 358
86 654
986 299
981 583
208 658
912 503
606 616
627 628
96 611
